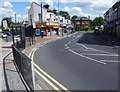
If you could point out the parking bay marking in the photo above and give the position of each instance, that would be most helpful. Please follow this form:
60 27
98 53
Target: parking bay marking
110 61
86 57
67 47
90 54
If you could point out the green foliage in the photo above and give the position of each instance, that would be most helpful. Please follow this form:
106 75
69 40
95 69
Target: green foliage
74 17
79 28
97 21
9 22
65 14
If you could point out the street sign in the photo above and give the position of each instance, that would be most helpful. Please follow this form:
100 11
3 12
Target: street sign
4 23
37 32
34 25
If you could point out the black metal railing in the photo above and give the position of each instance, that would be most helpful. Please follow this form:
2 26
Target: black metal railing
20 45
24 64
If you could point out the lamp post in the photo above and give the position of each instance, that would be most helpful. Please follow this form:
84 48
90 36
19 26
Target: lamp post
15 18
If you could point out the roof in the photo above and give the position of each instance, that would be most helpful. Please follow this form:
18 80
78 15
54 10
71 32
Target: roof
82 18
49 10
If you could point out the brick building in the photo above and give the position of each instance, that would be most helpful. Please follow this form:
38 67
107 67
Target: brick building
83 22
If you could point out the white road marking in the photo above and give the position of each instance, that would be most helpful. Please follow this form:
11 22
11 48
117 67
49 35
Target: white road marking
99 54
67 46
86 57
95 49
112 61
48 81
83 49
82 45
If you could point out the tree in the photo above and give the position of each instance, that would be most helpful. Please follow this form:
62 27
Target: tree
97 21
65 14
73 18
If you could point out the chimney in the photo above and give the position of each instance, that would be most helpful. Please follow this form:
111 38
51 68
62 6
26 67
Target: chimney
46 6
89 17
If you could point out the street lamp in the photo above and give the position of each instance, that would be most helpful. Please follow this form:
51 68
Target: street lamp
15 18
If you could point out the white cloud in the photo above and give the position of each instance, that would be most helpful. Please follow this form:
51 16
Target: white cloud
101 5
27 8
66 9
37 1
49 2
21 17
7 5
76 10
63 1
94 5
7 11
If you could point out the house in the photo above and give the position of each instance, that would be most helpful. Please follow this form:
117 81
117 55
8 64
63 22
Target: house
43 18
36 13
83 22
112 20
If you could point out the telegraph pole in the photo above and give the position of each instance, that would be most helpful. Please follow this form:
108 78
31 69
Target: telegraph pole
41 14
58 5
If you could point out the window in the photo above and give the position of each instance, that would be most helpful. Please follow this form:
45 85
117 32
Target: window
86 22
39 16
78 22
82 22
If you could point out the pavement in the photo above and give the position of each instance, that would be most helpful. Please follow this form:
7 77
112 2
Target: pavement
10 79
110 41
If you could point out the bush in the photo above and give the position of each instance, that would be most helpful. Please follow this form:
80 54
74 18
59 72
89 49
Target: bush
79 28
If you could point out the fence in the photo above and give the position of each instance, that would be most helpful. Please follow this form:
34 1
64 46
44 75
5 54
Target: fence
20 45
24 64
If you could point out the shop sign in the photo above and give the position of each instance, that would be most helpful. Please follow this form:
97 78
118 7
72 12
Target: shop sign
37 31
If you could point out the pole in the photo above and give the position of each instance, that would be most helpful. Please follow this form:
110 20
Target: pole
58 5
13 35
41 14
15 18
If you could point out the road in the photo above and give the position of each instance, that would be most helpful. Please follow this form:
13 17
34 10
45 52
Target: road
79 62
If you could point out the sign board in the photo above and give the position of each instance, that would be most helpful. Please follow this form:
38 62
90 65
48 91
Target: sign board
33 22
4 23
37 32
34 25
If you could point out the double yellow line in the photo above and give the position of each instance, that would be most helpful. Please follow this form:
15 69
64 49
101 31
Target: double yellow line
48 77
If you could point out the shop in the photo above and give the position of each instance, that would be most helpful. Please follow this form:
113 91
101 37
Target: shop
40 28
49 30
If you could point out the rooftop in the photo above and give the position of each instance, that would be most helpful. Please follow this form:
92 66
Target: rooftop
82 18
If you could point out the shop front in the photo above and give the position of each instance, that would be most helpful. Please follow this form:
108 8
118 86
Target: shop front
40 28
48 29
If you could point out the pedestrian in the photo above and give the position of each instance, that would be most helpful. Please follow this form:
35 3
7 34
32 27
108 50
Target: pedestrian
41 33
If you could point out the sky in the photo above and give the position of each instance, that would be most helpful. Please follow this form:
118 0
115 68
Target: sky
92 8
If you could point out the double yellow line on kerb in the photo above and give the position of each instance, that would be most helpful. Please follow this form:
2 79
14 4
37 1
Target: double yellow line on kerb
47 75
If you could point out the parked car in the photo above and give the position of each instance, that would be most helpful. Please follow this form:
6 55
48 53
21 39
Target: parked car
4 35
